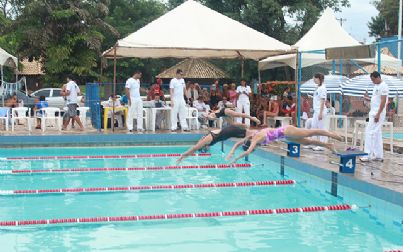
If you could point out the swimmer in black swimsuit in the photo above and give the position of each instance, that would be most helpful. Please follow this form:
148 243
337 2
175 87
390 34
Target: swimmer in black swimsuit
227 113
215 136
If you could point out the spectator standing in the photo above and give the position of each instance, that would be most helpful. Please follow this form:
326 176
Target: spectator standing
177 89
72 91
243 103
134 101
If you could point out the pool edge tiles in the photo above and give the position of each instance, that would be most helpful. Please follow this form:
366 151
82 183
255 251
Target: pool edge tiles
349 181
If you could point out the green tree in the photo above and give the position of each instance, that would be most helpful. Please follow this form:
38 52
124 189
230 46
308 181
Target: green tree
66 36
127 17
385 24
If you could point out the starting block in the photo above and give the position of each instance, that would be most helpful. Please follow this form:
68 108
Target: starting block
293 149
348 160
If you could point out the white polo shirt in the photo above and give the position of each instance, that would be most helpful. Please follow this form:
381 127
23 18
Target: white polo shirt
378 91
177 85
319 94
134 87
72 98
243 97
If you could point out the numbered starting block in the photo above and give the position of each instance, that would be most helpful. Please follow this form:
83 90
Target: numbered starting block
348 160
293 149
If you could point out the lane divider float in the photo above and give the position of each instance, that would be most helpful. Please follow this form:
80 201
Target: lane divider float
157 155
176 216
145 188
117 169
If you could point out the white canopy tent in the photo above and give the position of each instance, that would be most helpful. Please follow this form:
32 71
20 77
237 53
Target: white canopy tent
192 30
326 33
8 60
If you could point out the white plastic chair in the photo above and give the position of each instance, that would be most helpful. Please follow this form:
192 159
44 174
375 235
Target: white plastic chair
192 118
5 115
21 113
83 115
145 118
51 114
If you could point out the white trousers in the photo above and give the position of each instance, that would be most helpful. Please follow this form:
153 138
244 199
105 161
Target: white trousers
180 109
319 124
373 137
135 112
245 106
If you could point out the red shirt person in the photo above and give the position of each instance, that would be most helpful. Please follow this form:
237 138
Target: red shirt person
156 89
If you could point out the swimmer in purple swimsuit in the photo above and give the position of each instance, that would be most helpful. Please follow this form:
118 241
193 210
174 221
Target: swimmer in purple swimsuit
291 133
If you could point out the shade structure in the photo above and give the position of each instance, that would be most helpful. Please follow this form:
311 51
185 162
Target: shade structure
357 86
7 59
325 33
194 69
192 30
332 82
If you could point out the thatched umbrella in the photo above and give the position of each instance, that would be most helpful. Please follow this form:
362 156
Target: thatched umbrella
194 69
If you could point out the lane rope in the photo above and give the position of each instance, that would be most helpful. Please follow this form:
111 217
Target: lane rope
134 218
157 155
145 188
119 169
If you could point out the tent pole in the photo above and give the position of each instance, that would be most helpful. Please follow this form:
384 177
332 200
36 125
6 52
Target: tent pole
2 85
399 42
341 97
242 67
114 89
258 74
298 77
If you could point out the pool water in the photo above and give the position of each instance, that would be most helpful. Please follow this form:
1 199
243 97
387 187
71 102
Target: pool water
396 136
318 231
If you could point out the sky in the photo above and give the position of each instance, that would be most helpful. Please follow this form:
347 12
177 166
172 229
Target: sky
357 18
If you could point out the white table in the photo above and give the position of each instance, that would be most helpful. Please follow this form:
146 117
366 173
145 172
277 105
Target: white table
153 117
359 132
331 123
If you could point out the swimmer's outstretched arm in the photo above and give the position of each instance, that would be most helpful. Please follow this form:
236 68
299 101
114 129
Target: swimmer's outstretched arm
231 113
202 142
236 145
247 152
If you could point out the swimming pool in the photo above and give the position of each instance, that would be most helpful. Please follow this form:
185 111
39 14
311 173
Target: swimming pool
376 228
396 136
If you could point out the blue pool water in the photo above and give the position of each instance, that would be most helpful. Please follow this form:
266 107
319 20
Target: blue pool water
373 229
398 136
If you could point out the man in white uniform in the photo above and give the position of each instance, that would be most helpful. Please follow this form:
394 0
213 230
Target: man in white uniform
177 88
134 101
373 133
243 104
